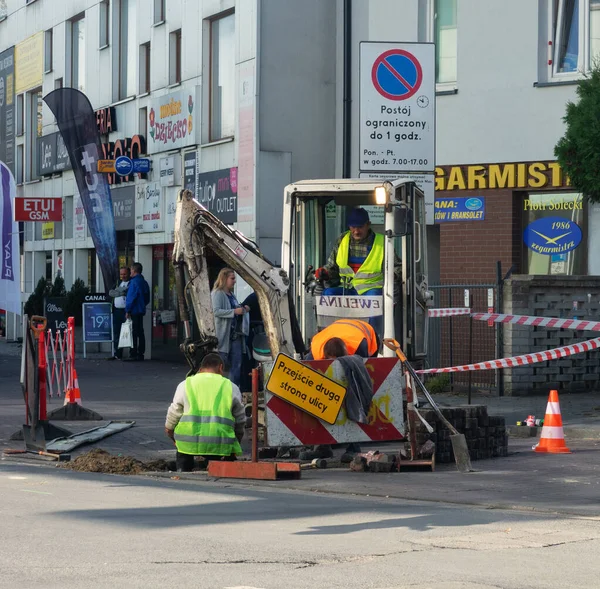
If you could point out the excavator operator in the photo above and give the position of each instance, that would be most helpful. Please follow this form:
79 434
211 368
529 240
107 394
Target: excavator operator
356 263
360 339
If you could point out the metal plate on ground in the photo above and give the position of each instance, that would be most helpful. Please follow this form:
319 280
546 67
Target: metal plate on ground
89 436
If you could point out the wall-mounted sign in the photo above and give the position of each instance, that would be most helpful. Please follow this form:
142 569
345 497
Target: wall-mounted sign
123 165
552 236
169 170
148 208
123 200
508 175
131 147
141 165
173 120
79 220
38 208
190 171
106 166
52 155
217 191
470 208
29 63
7 107
95 297
48 230
106 120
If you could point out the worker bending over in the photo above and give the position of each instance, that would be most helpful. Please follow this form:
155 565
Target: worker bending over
358 336
206 417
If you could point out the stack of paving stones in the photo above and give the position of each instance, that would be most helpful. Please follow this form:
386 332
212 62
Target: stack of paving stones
486 435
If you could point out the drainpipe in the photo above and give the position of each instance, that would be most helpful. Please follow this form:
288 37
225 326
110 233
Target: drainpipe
347 110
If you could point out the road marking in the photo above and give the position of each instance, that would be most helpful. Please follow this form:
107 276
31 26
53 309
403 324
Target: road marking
38 492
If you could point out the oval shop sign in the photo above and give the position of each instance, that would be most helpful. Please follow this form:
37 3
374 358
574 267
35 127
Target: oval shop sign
552 235
473 204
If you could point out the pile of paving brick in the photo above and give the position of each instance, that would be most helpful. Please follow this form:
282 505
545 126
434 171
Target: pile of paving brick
485 434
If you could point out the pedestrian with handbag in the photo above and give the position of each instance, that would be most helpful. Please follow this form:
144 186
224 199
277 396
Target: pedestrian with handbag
119 296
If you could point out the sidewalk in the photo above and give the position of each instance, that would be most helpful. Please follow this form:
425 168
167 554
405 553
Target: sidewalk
142 392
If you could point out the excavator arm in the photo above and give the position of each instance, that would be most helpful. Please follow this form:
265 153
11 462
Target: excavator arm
196 230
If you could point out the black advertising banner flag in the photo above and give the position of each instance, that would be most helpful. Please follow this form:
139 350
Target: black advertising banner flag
7 108
77 123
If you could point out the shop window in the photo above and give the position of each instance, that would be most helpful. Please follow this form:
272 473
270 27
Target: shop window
548 244
446 41
575 36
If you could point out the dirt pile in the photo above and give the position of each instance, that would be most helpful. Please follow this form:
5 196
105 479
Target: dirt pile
98 460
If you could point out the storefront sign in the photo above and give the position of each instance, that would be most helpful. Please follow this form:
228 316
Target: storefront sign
397 107
106 120
54 313
95 297
29 63
48 230
52 154
97 322
190 171
123 200
552 236
305 388
173 121
7 108
148 208
130 147
38 208
470 208
79 220
169 168
106 166
509 175
217 191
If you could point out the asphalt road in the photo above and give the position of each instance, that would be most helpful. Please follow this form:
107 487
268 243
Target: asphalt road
66 529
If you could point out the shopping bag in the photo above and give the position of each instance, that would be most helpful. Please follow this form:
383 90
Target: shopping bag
126 335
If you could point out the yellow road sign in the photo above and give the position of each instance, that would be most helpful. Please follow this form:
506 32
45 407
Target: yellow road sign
305 388
106 166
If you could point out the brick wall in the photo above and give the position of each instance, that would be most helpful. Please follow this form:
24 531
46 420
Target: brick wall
469 251
551 297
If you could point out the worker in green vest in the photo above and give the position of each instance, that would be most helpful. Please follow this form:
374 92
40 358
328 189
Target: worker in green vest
207 416
356 264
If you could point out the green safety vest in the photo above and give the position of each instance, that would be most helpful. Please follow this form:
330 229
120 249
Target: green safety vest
369 274
207 428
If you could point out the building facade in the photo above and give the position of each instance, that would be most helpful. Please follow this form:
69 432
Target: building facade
267 92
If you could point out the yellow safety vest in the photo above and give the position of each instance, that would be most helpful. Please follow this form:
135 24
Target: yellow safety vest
208 427
369 274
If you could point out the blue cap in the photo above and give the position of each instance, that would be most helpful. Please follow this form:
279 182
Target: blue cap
358 217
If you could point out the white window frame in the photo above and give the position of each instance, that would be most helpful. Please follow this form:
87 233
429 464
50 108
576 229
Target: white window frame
175 57
104 24
48 51
160 12
440 86
144 69
583 53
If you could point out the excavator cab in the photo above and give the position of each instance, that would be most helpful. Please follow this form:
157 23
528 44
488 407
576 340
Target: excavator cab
316 214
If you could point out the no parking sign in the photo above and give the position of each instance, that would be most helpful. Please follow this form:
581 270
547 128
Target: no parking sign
397 107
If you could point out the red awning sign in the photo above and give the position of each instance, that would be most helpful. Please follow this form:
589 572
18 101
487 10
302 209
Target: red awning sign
38 208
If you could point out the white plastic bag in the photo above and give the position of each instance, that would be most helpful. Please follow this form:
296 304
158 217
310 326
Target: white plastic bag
126 335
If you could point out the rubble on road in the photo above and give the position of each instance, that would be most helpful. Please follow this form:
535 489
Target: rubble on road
98 460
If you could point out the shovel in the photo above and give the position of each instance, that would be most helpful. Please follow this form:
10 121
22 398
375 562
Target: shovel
459 442
34 434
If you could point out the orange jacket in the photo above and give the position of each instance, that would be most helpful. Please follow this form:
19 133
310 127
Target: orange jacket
351 331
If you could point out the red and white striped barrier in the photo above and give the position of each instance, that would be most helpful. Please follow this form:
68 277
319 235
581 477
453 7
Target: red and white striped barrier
523 360
450 312
533 321
60 354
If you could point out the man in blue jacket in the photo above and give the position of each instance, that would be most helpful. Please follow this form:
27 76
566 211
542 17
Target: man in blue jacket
138 296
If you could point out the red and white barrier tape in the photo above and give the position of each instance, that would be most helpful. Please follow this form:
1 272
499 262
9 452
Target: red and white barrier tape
451 312
528 320
533 321
523 360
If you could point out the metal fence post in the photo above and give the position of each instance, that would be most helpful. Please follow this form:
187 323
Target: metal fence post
450 319
499 331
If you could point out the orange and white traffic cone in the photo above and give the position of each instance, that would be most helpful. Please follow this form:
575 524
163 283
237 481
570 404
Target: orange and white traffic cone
552 440
73 395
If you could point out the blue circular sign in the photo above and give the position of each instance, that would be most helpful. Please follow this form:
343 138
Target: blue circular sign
474 204
552 235
397 74
123 165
